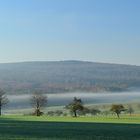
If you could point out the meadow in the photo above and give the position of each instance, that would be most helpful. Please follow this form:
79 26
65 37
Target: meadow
16 127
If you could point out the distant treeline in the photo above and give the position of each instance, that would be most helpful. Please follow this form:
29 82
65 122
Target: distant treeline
67 76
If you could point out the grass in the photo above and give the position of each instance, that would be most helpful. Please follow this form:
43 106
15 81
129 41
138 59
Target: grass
125 119
69 128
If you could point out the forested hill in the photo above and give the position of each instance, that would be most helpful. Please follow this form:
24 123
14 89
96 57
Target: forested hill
67 76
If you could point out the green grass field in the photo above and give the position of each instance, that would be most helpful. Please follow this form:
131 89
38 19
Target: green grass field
69 128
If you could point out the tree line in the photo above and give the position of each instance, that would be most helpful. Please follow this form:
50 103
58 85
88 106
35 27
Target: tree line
39 101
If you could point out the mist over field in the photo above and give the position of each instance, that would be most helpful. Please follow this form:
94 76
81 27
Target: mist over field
62 99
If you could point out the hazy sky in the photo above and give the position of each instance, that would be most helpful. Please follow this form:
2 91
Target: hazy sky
91 30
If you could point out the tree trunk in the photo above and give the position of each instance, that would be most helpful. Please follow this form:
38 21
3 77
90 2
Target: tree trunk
0 110
75 114
37 112
118 115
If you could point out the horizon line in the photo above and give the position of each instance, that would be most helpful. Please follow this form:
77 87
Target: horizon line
88 61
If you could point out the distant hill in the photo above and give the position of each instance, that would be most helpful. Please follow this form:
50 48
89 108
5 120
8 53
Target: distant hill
67 76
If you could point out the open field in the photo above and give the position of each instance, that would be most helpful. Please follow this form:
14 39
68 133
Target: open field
125 119
69 128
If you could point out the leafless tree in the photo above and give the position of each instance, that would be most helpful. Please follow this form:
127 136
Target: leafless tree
38 101
3 99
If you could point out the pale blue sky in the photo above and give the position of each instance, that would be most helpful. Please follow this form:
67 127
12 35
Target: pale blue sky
90 30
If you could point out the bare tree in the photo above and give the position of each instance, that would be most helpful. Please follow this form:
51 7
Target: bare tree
3 100
38 101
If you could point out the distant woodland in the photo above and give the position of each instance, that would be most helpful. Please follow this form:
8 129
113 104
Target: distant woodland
67 76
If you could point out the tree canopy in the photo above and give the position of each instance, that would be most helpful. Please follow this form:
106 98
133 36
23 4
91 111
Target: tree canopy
117 109
75 105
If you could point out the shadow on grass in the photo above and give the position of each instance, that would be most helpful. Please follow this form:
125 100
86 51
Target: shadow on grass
67 130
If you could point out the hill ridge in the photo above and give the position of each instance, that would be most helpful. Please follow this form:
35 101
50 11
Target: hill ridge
67 76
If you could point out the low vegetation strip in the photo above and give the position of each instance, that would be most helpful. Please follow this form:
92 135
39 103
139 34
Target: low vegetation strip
68 128
124 119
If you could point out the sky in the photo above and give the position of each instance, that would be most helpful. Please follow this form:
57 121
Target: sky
54 30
